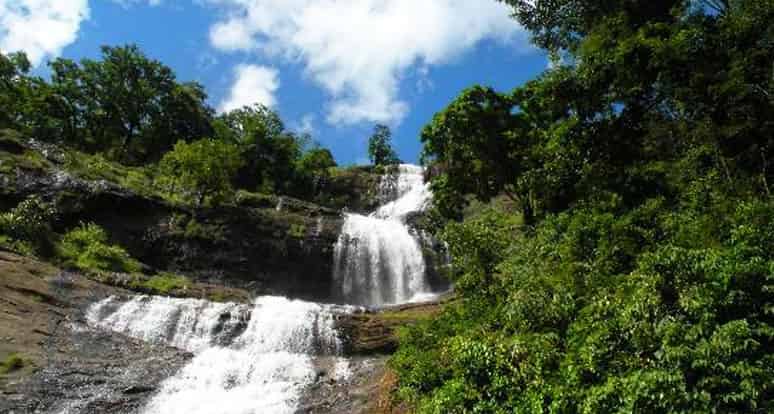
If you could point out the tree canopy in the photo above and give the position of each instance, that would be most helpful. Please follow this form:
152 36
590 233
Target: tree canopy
125 103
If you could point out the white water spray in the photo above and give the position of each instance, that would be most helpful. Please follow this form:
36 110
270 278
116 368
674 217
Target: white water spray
377 260
248 360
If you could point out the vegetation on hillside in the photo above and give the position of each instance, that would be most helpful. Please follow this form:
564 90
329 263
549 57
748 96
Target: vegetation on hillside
126 119
636 271
120 115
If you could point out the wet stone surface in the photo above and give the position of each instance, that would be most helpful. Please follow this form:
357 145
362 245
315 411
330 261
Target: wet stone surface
92 371
68 367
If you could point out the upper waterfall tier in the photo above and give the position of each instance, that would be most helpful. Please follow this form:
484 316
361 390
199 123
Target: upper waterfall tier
378 260
408 191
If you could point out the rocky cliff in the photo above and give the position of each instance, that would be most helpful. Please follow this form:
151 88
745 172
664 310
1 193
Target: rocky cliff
266 244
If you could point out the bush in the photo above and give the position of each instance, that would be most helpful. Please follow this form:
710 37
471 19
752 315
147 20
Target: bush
86 247
27 227
199 172
12 363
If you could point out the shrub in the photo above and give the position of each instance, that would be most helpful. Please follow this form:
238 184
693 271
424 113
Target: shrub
11 363
86 247
199 172
27 227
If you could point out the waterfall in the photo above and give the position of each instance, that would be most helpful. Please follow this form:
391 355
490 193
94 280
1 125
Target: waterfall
260 358
248 359
377 259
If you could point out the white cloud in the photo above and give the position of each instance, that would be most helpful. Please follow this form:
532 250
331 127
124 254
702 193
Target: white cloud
306 125
253 84
41 28
358 50
127 3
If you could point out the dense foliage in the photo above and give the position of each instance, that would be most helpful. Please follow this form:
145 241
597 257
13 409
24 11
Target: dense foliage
635 271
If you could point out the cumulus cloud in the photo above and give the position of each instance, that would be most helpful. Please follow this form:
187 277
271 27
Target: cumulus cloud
128 3
306 125
358 50
252 84
41 28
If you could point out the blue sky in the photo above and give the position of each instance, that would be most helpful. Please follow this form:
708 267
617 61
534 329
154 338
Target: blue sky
332 68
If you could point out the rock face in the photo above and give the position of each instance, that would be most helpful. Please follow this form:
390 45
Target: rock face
374 332
278 246
65 366
354 189
265 244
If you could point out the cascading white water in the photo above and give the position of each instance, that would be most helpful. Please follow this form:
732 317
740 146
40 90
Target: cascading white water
259 358
377 259
248 360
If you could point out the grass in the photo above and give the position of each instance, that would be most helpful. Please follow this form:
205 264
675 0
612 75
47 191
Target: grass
255 200
27 160
410 315
97 167
162 284
297 230
11 363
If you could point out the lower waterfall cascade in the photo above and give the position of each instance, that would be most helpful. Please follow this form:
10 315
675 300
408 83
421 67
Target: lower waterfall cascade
377 259
247 359
260 358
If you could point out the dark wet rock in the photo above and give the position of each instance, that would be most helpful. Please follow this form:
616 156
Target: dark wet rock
67 365
360 390
139 389
92 371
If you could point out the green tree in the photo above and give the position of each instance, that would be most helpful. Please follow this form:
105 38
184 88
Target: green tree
200 171
380 147
313 171
128 103
270 151
469 144
14 82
